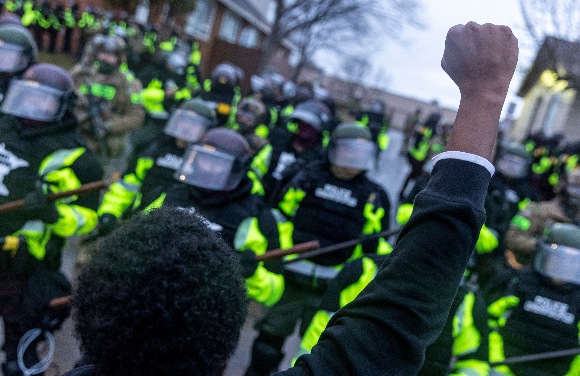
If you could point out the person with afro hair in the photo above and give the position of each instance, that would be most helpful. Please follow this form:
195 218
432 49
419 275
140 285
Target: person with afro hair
161 295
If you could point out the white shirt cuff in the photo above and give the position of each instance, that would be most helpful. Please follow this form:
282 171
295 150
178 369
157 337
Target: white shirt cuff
465 157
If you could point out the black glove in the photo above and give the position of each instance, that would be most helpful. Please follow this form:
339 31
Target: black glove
38 206
107 223
248 263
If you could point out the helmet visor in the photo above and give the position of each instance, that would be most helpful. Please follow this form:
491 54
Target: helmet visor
187 125
513 166
34 101
558 261
353 153
206 167
12 58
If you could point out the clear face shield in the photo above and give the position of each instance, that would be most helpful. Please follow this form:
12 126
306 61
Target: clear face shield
31 100
352 153
558 261
513 166
206 167
187 125
12 58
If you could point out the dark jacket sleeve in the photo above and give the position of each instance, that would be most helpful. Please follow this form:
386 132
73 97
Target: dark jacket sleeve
386 329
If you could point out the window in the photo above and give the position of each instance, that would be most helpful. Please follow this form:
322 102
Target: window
229 27
249 37
200 21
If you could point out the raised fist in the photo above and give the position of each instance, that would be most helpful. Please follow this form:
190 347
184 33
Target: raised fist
480 59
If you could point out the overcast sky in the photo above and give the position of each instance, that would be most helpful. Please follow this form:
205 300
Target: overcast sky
414 68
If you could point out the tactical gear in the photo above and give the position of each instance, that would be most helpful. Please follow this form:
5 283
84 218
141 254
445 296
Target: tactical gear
18 50
219 164
225 76
312 112
351 146
378 107
176 63
351 130
10 19
571 190
113 45
251 113
44 94
514 161
558 255
187 125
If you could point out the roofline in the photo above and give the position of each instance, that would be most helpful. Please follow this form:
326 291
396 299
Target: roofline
247 15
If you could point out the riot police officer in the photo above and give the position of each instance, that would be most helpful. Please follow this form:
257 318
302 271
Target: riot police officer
43 152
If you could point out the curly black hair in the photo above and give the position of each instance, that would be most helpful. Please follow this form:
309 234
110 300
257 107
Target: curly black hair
162 295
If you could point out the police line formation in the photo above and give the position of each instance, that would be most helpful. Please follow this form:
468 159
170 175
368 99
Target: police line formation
266 170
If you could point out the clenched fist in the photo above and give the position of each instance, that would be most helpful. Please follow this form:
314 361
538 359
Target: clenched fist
481 59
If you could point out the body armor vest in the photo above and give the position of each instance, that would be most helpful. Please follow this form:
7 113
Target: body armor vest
332 212
546 319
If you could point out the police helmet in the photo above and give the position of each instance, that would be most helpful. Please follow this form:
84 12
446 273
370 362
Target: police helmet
112 45
218 163
377 107
289 90
190 122
558 253
224 76
44 93
251 113
10 19
513 160
351 146
18 50
176 63
312 112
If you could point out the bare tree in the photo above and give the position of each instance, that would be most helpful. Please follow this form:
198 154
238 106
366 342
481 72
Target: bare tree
176 7
316 19
334 36
559 19
355 68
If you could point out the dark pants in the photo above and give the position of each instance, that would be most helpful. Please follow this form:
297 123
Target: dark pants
298 302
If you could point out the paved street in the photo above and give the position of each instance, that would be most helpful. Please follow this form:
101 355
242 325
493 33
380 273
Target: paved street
390 173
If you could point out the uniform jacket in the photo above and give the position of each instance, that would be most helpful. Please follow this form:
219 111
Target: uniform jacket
387 328
62 162
115 95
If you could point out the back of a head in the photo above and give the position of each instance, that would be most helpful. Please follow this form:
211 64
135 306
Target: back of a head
161 295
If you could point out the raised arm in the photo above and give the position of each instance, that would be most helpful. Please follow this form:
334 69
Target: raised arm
386 329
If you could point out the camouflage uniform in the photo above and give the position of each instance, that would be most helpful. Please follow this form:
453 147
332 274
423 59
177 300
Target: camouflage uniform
530 223
115 94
